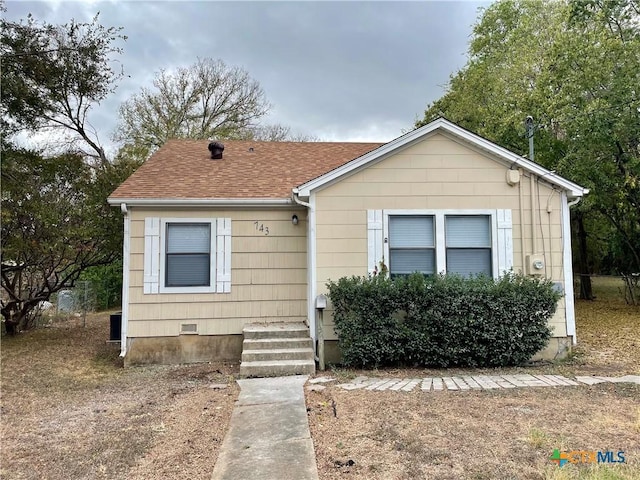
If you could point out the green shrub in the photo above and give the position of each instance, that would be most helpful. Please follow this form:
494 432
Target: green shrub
441 321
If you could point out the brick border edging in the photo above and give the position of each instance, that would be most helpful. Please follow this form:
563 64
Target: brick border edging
468 382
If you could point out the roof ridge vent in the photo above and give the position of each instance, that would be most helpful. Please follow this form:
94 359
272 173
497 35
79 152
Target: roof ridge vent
216 149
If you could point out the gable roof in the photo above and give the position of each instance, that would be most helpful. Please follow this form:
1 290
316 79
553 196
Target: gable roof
442 125
267 173
184 170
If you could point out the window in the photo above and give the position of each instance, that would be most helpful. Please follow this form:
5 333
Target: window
411 245
188 255
465 242
468 241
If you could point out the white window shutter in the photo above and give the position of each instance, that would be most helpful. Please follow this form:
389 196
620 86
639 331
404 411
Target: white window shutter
504 241
374 240
151 254
223 255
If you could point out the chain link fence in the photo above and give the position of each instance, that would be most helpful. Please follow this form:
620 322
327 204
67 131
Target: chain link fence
100 290
77 301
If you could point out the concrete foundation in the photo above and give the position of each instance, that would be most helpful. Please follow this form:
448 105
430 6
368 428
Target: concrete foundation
557 349
332 354
210 348
183 349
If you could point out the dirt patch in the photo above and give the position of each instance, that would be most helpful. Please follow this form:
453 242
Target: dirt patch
608 331
188 437
69 409
470 435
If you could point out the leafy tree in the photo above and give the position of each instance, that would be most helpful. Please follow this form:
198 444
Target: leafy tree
54 75
575 67
207 99
55 219
55 224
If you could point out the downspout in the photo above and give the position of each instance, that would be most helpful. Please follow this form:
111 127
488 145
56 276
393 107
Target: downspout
567 264
574 202
126 248
297 200
311 231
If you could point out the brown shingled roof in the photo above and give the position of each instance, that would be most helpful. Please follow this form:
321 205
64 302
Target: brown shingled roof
183 169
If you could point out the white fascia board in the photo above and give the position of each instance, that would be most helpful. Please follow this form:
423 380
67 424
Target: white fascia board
574 190
204 202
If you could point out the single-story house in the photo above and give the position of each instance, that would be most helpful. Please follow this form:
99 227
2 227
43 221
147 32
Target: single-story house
217 237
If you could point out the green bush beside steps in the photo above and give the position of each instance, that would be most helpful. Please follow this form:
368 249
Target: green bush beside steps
441 320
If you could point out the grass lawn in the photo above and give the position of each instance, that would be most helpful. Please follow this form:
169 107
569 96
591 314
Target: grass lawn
507 434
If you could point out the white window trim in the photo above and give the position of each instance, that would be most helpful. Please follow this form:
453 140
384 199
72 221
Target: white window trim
441 247
211 288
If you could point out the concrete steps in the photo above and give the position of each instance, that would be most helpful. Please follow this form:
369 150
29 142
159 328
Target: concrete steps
276 343
275 354
276 349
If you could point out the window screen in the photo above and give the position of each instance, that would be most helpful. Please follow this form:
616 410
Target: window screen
468 239
411 245
188 254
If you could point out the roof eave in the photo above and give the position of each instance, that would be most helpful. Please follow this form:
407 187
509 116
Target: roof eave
203 202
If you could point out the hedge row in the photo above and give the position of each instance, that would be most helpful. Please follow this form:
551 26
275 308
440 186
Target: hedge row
441 321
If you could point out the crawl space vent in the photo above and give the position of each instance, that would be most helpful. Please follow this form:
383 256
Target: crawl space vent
189 328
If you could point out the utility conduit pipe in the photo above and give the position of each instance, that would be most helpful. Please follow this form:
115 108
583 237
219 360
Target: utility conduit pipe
534 220
522 239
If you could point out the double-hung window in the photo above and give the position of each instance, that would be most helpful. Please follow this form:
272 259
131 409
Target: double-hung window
468 242
411 245
440 241
188 255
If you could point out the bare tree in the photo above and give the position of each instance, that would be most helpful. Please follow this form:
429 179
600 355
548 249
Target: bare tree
207 99
278 133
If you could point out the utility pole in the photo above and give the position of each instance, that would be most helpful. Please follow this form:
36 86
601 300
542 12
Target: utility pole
530 129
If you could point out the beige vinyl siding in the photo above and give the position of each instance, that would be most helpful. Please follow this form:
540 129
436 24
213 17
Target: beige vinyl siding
268 276
437 173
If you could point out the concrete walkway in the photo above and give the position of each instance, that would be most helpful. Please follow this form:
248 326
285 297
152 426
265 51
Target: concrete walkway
469 382
268 438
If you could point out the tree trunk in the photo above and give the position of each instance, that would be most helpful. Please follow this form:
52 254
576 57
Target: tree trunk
586 293
10 327
14 317
10 323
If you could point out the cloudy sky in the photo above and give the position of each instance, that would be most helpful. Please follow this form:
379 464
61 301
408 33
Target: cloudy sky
341 71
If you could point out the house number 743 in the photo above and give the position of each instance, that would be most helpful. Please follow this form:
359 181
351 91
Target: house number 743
261 227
